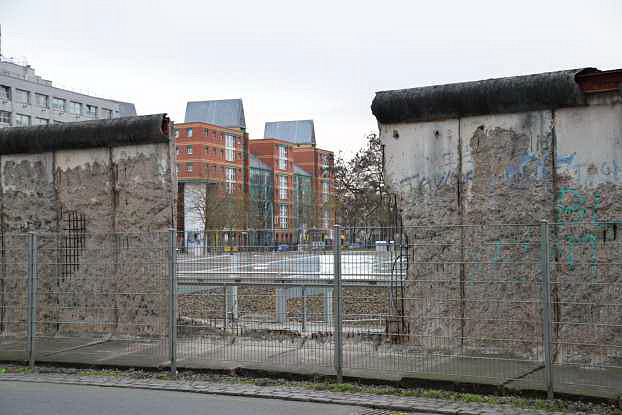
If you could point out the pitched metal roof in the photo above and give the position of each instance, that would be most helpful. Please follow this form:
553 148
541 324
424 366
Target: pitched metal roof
295 132
490 96
255 163
228 113
126 109
300 171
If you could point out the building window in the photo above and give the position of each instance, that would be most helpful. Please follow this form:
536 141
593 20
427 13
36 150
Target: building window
189 167
5 117
325 191
75 108
230 147
283 216
282 157
22 120
206 132
325 219
189 149
22 97
282 187
325 164
91 110
230 178
177 150
188 132
106 114
42 100
42 121
5 92
58 104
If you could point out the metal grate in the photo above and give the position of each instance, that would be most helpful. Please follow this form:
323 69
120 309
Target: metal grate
372 411
72 242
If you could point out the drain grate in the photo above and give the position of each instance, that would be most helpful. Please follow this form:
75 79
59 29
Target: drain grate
374 412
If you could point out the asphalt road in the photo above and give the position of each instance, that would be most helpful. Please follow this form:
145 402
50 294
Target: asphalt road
20 398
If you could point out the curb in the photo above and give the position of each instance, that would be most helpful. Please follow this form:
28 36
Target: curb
267 395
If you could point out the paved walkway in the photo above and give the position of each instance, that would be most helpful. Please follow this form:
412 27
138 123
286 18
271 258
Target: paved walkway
393 403
286 354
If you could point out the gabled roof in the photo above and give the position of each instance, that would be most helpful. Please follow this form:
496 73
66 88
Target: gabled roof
295 132
300 171
255 163
228 113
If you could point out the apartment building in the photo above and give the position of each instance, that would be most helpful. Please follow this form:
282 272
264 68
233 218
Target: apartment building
318 163
212 158
261 202
282 198
212 162
276 154
26 99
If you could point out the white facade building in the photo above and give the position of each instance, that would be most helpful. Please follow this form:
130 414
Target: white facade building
27 99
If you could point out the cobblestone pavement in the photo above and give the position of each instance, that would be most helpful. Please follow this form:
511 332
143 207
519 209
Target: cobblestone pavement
393 403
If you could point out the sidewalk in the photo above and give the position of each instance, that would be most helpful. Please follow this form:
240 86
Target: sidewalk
386 402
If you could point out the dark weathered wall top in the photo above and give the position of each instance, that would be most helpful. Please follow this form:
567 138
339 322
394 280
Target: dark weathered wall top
490 96
145 129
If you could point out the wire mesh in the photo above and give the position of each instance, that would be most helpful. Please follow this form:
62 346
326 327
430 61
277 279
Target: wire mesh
243 301
459 302
102 298
13 296
587 306
463 303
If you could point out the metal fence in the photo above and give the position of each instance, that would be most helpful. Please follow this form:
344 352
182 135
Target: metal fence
532 307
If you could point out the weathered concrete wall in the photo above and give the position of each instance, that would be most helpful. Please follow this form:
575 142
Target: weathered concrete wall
101 213
470 284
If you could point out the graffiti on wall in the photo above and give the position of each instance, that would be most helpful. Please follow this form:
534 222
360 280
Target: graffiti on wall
577 216
530 168
575 237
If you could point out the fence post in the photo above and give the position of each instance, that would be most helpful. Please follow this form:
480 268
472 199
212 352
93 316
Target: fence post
32 297
546 307
338 306
172 305
304 310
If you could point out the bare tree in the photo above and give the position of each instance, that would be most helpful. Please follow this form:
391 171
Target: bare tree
362 198
215 208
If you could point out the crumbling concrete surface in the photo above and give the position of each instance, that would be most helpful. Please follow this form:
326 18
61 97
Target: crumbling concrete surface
473 188
100 199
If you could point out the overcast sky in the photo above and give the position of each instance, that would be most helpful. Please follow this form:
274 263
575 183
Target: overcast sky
300 59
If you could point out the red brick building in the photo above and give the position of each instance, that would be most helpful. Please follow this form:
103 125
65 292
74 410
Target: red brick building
209 155
319 163
213 149
209 152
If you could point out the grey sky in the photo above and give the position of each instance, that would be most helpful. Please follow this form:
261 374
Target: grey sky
296 60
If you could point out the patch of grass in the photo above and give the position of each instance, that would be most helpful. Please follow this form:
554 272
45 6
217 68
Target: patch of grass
15 369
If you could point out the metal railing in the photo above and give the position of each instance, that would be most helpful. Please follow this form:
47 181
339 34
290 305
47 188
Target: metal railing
516 306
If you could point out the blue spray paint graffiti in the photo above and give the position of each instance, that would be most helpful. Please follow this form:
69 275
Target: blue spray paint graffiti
574 208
